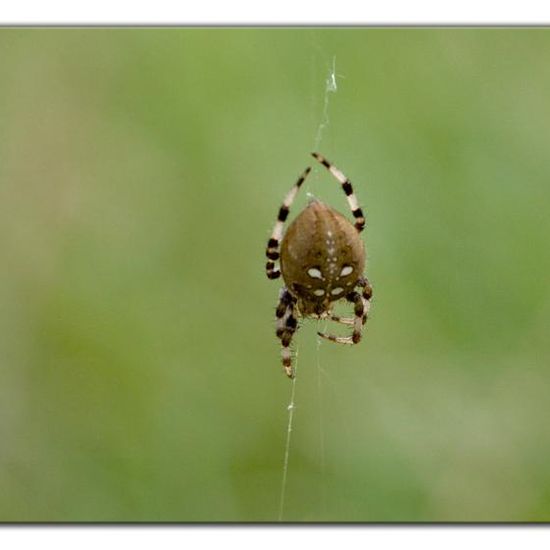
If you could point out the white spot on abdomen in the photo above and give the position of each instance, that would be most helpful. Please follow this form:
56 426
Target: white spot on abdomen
346 270
336 290
314 273
319 292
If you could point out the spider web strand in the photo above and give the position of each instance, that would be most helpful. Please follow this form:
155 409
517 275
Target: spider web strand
290 409
330 87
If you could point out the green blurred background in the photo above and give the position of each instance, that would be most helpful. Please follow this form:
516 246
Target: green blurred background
140 174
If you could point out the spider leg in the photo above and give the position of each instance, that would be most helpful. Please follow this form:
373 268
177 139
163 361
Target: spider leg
342 320
287 324
348 190
366 296
272 250
361 308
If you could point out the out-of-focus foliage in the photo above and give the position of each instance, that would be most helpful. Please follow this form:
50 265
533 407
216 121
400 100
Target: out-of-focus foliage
140 175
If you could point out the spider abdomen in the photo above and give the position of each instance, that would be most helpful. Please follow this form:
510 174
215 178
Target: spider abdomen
322 257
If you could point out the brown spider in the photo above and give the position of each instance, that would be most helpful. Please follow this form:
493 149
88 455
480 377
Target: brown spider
322 259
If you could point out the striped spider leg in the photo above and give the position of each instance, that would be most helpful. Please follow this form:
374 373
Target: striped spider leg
361 302
272 250
287 324
348 190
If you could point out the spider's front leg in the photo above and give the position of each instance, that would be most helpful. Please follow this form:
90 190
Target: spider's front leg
287 324
272 250
361 308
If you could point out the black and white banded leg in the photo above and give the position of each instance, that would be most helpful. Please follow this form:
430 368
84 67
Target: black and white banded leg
348 190
367 294
287 324
272 250
361 304
344 320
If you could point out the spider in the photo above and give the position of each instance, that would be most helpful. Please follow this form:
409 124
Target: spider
321 259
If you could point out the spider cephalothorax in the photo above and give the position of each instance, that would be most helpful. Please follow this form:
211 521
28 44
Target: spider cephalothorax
322 259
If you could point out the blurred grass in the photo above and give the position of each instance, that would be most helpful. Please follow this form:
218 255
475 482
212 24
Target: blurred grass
140 174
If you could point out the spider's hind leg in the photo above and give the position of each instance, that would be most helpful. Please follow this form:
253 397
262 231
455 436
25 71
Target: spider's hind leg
345 320
361 308
287 324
